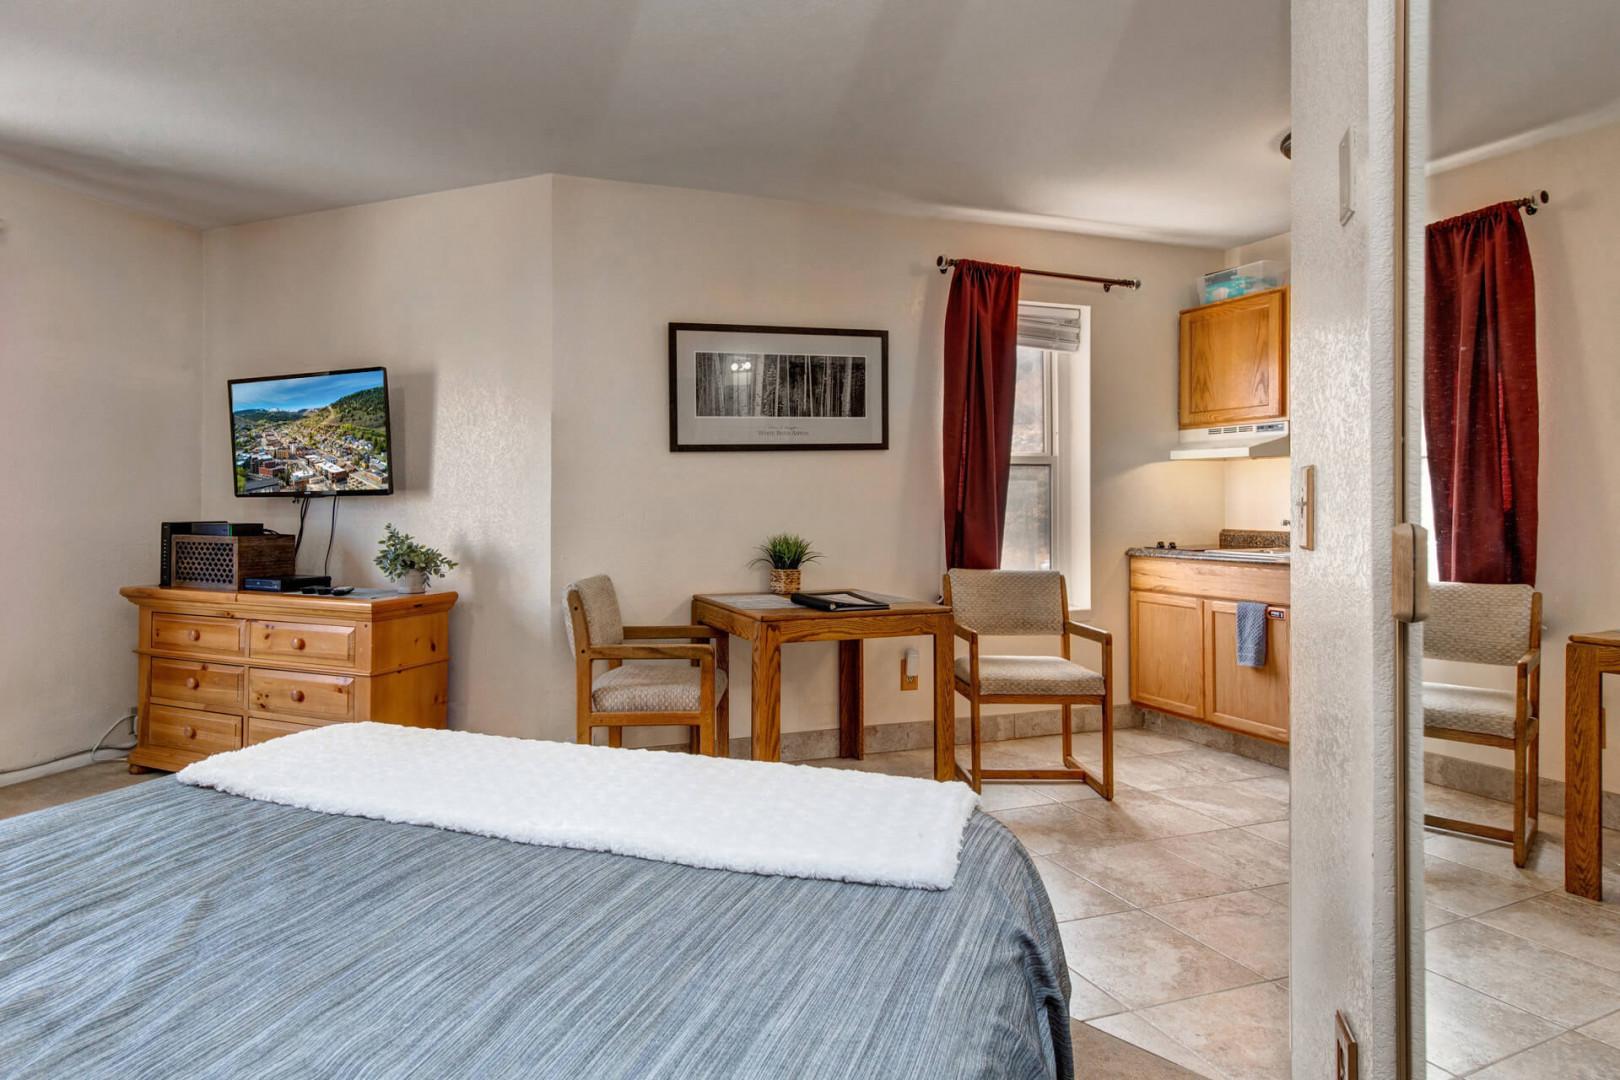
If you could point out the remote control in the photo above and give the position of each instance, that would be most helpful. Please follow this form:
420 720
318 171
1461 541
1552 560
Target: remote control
343 590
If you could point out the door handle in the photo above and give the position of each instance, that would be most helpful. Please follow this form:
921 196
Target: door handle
1409 572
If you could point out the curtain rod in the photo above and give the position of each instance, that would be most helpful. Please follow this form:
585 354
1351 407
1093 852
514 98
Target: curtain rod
1529 203
945 262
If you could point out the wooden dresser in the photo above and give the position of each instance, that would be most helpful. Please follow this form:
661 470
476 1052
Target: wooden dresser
223 670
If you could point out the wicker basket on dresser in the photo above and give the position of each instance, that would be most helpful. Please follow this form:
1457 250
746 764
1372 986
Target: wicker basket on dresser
223 670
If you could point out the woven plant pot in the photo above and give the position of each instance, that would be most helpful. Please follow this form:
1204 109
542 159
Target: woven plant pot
784 582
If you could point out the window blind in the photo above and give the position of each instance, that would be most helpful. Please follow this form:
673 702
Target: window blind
1049 326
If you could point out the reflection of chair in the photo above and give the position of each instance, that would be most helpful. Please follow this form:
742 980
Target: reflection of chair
1489 624
1024 603
643 693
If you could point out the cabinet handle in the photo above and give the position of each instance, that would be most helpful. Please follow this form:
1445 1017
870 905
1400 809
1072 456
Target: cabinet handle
189 732
191 682
193 635
298 643
298 695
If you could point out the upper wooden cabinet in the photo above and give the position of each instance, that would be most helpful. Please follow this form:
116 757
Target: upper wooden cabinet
1234 360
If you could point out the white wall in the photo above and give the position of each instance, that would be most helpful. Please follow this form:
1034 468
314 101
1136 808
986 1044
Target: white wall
100 320
632 258
1342 753
452 293
1577 322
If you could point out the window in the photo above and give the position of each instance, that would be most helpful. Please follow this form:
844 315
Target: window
1048 507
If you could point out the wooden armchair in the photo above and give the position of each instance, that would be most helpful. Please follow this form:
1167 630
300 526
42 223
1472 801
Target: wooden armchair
1024 603
643 693
1500 625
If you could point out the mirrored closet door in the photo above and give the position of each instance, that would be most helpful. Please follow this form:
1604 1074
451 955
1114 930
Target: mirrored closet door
1515 442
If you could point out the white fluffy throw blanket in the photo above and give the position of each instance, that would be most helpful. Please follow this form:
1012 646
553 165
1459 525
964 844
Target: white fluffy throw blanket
751 816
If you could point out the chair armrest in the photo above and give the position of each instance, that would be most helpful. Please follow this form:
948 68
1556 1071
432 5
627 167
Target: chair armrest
1529 661
655 633
1086 630
650 652
967 634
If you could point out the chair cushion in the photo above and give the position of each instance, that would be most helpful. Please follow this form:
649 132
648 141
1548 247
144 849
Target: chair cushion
1048 676
601 605
1478 624
1468 708
1008 602
654 686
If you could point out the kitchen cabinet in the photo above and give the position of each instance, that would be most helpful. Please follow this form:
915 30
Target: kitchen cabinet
1183 639
1167 653
1251 700
1234 360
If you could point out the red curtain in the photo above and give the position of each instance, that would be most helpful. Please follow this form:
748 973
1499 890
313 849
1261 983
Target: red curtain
1480 409
981 367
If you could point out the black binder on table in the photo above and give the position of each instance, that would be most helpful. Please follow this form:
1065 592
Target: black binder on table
846 600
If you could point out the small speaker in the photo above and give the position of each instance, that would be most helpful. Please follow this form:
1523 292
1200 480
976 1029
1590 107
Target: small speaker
223 563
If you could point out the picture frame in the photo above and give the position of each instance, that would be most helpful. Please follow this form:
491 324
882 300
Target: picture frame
753 388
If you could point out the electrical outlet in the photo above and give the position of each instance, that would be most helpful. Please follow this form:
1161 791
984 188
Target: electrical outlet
909 662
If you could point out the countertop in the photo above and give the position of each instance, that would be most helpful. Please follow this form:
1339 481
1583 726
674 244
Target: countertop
1246 556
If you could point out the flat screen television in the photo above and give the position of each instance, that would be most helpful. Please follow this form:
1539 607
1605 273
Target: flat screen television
313 435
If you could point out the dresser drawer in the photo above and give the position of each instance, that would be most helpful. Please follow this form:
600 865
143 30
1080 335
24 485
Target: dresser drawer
195 732
298 693
318 643
196 682
263 729
196 634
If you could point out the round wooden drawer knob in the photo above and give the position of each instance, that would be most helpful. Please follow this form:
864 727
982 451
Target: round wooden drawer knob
298 695
189 732
298 643
191 682
193 635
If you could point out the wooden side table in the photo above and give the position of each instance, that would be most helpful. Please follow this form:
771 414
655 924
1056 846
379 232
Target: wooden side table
768 627
1587 658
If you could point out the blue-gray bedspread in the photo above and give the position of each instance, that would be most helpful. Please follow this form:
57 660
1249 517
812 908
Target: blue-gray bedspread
168 931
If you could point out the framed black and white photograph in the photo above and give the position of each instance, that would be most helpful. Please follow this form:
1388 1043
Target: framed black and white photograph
777 388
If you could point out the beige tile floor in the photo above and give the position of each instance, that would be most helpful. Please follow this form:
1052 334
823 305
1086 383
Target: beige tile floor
1172 900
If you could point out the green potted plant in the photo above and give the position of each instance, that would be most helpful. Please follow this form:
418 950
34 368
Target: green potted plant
785 553
411 564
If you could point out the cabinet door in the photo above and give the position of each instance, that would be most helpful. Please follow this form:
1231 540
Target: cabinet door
1251 700
1167 653
1234 360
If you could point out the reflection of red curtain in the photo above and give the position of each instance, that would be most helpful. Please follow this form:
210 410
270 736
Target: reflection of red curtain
981 366
1479 402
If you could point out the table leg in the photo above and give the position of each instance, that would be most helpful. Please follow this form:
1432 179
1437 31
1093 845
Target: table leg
722 709
945 700
767 704
1583 807
851 700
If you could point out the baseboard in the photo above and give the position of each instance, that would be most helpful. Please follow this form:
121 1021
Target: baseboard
1496 782
919 734
1216 738
77 761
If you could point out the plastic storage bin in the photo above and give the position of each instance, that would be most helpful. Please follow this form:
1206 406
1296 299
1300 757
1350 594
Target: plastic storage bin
1243 280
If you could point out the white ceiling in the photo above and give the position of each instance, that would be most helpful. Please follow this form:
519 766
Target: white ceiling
1146 118
1132 117
1502 68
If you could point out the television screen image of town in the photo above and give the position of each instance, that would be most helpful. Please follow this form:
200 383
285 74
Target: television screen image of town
770 384
312 434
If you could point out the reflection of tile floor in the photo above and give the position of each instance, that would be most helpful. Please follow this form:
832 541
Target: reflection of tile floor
1523 979
1172 900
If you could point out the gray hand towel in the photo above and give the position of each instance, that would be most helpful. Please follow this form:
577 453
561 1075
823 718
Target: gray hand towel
1251 634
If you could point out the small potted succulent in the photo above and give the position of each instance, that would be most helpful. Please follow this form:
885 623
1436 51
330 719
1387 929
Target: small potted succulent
785 553
411 564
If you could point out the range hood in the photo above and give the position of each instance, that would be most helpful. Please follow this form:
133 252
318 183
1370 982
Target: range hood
1266 439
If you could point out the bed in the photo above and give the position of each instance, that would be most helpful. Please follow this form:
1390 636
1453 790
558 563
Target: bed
174 931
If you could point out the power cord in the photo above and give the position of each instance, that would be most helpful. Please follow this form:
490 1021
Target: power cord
331 531
303 511
126 718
